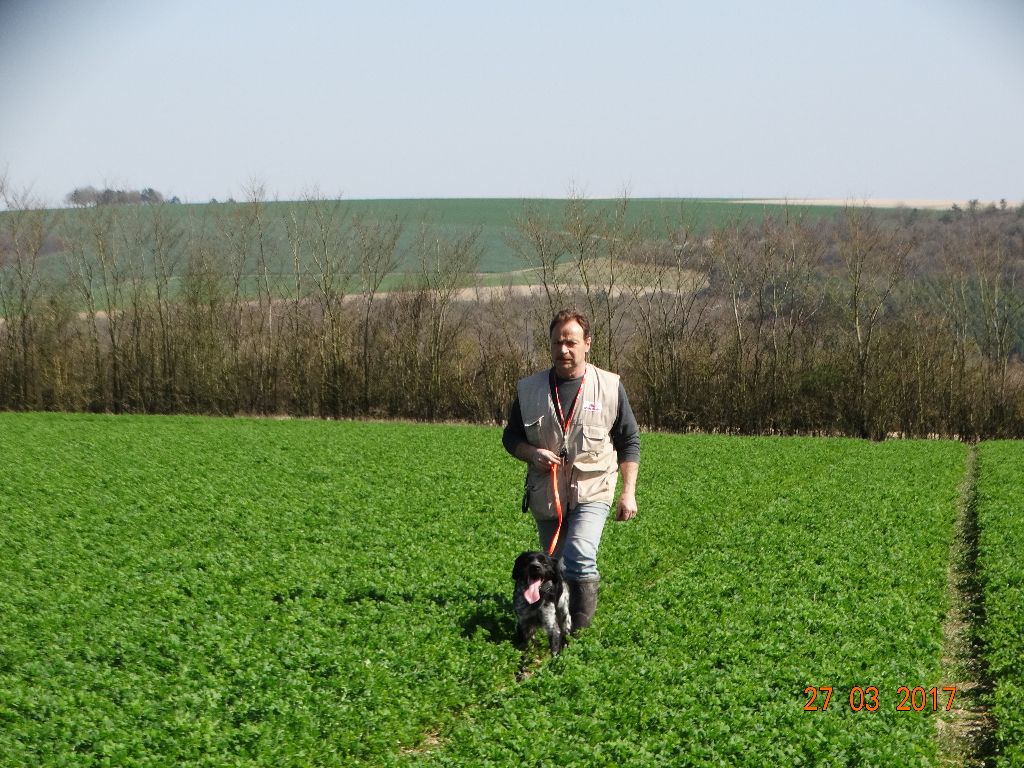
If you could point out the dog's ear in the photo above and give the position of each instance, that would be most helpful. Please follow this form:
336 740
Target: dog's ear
517 569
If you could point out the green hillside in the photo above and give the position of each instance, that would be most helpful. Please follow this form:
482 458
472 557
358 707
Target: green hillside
495 218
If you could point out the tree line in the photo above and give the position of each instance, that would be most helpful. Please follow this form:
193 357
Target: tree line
81 197
859 324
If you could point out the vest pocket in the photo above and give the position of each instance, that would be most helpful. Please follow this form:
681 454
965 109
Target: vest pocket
594 438
533 431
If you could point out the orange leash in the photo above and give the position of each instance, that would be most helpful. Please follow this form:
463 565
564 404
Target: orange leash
558 509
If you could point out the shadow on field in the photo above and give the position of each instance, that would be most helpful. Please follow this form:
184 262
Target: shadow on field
492 615
489 613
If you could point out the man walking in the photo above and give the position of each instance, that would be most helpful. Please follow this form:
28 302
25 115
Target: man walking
574 420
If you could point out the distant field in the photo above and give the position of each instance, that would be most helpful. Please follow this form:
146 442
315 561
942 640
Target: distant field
210 591
496 219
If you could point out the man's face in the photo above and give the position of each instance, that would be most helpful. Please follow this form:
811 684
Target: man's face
569 349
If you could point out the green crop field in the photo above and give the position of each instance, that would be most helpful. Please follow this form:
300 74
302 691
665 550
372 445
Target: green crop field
1001 560
189 591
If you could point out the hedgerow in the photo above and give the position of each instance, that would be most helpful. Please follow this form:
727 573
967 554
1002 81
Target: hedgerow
1001 544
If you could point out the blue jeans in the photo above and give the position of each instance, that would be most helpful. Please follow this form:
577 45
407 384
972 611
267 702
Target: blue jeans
578 541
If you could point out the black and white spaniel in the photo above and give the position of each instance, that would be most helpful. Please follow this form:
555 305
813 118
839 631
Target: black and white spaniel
541 599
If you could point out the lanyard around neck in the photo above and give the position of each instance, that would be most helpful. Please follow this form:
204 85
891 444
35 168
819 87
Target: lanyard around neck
567 420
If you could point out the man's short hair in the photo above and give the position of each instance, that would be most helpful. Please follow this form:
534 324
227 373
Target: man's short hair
565 315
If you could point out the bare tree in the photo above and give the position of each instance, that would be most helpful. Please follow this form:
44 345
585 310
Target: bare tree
584 229
164 245
447 265
792 300
26 228
876 260
987 305
621 244
376 246
538 243
303 387
207 325
151 244
668 281
329 244
743 256
233 253
253 276
81 275
99 273
140 356
504 349
268 348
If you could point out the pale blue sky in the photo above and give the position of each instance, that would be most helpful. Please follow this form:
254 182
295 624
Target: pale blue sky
853 99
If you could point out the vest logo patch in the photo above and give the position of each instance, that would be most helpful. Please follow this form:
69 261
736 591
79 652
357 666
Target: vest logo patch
591 407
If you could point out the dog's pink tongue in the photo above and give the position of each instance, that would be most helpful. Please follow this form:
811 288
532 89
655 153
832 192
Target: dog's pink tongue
532 592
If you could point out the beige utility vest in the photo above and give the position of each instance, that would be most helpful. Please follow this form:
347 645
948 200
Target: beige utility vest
592 466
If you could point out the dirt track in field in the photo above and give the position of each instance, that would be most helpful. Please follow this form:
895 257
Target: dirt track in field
935 205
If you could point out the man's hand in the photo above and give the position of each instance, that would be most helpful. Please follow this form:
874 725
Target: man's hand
627 506
546 459
627 499
541 458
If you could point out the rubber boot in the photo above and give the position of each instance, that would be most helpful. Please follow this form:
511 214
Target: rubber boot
582 603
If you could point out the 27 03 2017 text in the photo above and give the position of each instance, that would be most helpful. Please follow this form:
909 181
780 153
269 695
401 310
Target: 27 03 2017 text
869 699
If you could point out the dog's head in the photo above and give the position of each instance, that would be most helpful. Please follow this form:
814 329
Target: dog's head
531 566
534 570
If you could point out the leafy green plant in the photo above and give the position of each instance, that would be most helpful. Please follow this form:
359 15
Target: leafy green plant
219 591
194 590
756 569
1001 544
